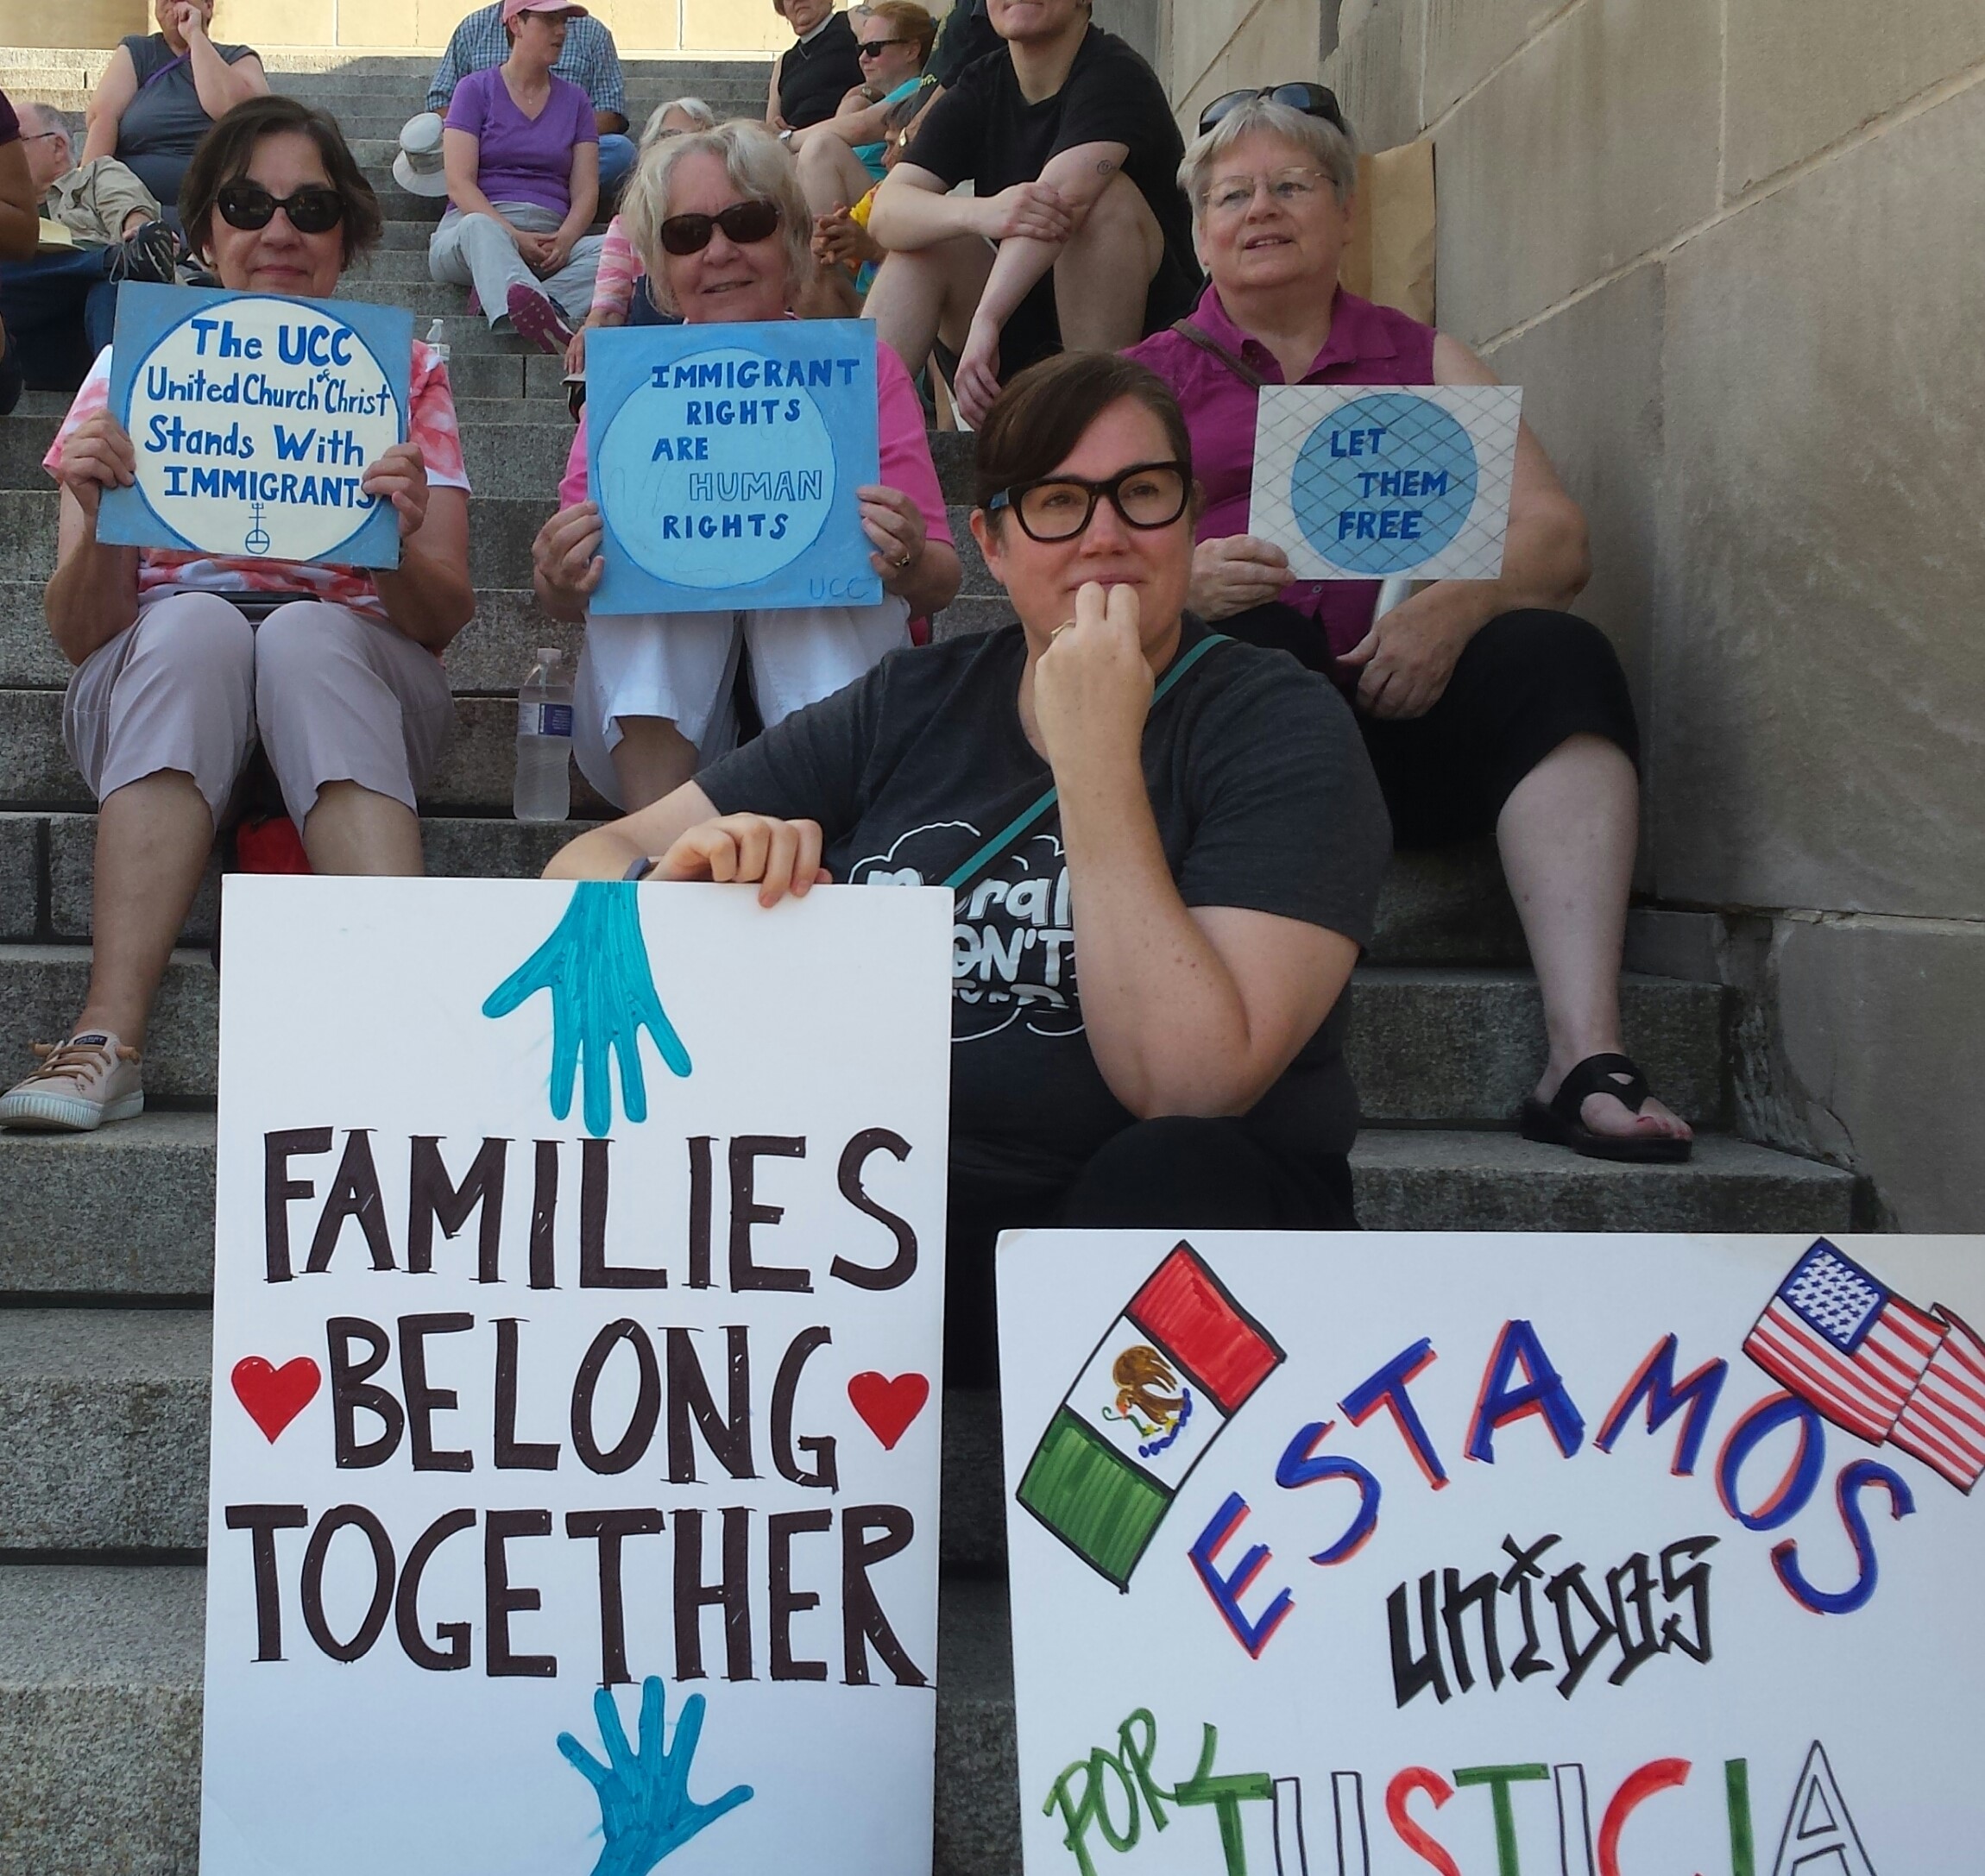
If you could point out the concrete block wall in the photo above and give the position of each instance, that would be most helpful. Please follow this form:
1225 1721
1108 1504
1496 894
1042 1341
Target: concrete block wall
1733 250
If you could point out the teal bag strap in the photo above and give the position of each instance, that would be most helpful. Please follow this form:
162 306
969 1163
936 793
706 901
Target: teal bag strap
1028 817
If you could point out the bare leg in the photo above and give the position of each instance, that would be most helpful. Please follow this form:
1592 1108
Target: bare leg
353 830
920 297
1567 835
652 759
153 839
831 174
1105 271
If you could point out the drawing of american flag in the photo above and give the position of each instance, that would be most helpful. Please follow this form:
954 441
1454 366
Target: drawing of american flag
1841 1340
1943 1424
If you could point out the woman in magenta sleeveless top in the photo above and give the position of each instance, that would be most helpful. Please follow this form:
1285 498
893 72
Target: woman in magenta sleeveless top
1485 706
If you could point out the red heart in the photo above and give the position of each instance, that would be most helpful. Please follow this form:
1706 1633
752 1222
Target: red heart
274 1396
888 1407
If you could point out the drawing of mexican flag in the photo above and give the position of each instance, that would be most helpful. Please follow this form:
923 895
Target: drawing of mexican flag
1170 1372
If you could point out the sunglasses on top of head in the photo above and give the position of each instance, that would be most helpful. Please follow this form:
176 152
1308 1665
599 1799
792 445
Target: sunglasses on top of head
314 208
1312 100
742 223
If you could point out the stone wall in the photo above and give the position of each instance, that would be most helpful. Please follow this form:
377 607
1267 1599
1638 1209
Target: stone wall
1734 250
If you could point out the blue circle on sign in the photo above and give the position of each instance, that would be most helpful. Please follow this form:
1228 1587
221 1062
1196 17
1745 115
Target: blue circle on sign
1383 484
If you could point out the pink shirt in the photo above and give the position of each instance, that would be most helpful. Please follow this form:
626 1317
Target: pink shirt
1368 345
613 285
905 449
430 423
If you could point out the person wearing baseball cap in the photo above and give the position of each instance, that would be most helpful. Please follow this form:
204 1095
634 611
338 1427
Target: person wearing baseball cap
520 155
589 60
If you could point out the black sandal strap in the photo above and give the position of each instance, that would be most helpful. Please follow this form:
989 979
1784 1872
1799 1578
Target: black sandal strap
1595 1075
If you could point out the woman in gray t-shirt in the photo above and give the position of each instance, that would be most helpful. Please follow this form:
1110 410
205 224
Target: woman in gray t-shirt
162 91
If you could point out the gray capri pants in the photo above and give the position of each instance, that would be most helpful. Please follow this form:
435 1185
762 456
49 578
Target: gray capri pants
334 696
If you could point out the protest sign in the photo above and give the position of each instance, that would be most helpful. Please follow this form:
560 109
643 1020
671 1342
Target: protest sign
725 460
1494 1555
574 1499
1357 483
254 419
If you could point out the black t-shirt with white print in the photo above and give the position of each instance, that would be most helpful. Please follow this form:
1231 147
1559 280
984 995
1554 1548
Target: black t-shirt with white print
984 128
1264 799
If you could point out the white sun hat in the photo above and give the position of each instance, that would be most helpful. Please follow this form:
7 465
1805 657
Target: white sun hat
417 168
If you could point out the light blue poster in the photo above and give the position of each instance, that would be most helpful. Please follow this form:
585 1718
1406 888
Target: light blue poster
255 418
1358 481
725 460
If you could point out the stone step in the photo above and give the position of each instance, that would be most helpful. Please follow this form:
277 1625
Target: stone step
127 1213
1427 1048
106 1413
1435 908
100 1674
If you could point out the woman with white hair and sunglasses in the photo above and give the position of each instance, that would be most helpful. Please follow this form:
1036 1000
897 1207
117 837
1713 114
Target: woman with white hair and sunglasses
718 220
1483 703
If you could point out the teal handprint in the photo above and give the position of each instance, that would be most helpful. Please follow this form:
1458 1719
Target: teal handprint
646 1810
595 965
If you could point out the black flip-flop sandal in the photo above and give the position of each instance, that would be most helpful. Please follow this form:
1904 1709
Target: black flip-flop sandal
1556 1123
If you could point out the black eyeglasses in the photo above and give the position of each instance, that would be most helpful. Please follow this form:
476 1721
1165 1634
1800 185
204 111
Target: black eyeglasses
873 48
313 210
1312 100
742 222
1059 507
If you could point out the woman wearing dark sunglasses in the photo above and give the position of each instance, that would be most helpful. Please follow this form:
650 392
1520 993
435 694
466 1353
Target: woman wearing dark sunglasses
184 661
718 221
1207 867
1485 705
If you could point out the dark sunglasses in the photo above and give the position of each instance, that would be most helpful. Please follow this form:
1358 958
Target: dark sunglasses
313 210
1312 100
1059 507
742 223
872 48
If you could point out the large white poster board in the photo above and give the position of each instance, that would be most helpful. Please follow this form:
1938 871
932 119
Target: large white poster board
576 1328
1495 1555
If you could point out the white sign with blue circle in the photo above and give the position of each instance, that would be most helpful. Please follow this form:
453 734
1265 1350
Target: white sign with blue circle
254 417
725 460
1362 481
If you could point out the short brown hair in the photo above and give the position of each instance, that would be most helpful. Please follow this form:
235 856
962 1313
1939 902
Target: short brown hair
906 20
223 154
1044 412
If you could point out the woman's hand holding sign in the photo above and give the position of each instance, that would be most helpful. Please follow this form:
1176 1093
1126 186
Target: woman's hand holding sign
400 476
1232 574
565 561
98 456
779 857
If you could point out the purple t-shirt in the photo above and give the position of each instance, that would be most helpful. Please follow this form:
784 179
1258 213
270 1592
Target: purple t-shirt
523 159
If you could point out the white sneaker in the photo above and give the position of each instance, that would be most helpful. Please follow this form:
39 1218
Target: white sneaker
81 1083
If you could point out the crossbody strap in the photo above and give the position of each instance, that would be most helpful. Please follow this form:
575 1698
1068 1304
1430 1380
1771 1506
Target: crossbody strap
964 875
1206 342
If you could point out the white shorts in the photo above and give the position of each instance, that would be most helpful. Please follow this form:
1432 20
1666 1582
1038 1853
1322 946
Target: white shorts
681 665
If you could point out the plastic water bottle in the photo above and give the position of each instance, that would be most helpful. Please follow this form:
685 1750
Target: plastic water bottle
543 790
438 339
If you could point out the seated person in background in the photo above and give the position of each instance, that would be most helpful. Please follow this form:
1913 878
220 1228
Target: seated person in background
588 59
621 295
966 35
1483 703
61 305
840 157
717 219
1166 1049
812 75
20 229
523 162
1077 236
185 660
162 91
